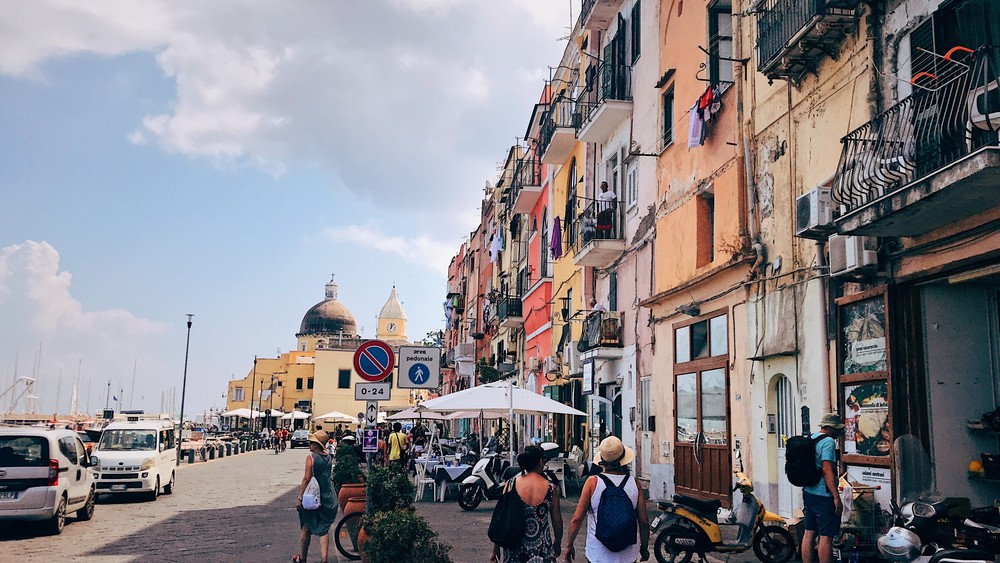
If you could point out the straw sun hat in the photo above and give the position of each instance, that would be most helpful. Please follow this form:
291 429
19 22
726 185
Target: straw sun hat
612 453
320 437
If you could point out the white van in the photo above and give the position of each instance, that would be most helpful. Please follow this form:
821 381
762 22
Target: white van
136 456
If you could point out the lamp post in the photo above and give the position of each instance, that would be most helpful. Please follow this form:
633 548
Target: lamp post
187 348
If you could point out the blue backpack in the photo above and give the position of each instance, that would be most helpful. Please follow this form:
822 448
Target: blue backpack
617 527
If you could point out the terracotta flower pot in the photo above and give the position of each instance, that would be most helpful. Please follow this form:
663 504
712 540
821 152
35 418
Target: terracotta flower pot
362 539
349 490
354 504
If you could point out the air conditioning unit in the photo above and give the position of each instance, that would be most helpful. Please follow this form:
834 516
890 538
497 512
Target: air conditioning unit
814 214
852 254
552 365
572 358
533 364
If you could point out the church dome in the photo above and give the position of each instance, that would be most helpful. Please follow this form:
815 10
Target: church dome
329 316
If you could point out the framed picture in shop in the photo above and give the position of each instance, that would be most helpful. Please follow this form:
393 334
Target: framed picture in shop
864 361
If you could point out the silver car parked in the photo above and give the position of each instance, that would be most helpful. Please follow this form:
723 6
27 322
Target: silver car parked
44 475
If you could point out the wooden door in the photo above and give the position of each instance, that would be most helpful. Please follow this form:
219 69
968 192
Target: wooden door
703 465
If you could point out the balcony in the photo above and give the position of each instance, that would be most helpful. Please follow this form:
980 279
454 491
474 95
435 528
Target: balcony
598 14
606 106
929 161
449 358
465 352
509 312
598 239
793 36
558 133
527 183
602 336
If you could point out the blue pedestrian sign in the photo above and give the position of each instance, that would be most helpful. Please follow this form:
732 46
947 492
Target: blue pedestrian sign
419 367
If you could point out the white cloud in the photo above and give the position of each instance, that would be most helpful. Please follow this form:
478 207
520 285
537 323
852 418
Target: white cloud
388 96
422 250
35 297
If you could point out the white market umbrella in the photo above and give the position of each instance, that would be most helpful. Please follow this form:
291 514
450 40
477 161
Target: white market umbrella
296 415
275 413
473 414
500 396
242 413
335 416
415 413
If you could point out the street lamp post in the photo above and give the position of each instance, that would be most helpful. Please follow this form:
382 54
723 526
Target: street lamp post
187 348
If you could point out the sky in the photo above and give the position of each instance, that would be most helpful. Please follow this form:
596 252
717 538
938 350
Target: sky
168 157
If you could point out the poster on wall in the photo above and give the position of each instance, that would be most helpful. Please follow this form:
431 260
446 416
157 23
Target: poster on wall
863 340
879 477
866 419
588 377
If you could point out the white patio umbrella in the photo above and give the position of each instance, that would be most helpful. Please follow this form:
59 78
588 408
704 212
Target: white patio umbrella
499 397
296 415
414 413
243 413
276 413
335 416
473 414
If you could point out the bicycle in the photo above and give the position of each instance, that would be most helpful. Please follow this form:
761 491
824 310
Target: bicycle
346 536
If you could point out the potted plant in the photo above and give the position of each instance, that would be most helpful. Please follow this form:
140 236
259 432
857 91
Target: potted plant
401 535
347 476
388 490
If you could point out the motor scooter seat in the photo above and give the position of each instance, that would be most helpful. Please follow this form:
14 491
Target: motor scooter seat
705 508
949 555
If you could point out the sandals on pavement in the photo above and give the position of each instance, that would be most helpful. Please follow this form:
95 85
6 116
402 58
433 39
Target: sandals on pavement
298 559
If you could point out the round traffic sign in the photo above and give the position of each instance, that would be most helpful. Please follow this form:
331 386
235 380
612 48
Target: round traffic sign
374 360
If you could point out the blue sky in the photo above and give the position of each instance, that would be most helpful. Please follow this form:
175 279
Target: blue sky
162 158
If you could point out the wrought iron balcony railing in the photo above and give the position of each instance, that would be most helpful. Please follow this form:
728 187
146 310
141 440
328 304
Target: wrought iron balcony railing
600 220
614 83
925 132
509 306
561 113
790 39
602 329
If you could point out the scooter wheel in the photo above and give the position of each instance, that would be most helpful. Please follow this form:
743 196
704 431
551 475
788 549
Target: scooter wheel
773 544
667 551
470 497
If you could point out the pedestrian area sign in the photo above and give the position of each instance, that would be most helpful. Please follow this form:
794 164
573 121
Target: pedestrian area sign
419 367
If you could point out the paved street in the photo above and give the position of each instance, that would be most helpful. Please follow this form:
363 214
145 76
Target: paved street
238 508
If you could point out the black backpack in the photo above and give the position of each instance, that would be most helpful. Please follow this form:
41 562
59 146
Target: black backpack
507 524
800 461
617 527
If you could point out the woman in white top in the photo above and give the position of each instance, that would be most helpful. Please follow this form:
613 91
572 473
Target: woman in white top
613 457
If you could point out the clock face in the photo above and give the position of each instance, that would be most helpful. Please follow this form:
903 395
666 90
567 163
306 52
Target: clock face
390 327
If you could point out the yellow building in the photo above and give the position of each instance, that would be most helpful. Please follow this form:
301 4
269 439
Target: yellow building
318 376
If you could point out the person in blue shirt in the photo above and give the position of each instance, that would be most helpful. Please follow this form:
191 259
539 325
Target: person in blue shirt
821 502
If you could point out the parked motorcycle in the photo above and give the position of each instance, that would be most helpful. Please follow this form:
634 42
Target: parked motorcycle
487 480
690 526
922 535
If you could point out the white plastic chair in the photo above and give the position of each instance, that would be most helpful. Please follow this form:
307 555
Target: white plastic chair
423 479
558 468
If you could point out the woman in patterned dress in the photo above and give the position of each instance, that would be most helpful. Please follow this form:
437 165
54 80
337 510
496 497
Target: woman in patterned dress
542 542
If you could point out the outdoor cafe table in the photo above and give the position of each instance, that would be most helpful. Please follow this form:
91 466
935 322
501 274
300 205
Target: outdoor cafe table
444 474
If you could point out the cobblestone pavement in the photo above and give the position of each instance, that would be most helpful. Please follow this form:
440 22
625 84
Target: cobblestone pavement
239 508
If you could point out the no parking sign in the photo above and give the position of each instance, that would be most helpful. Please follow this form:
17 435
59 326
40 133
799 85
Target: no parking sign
374 360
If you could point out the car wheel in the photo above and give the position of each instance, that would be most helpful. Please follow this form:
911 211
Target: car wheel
87 512
169 487
156 490
55 525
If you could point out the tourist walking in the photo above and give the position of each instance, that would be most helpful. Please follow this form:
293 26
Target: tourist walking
397 449
541 505
317 522
612 502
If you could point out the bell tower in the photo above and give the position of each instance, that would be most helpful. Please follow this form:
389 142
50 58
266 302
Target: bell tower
392 319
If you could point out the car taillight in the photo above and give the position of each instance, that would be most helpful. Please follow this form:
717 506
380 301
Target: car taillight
53 472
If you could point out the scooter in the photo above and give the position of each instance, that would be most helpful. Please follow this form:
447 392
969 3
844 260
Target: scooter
487 480
690 526
918 536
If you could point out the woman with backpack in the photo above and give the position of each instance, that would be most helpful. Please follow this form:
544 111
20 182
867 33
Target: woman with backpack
617 522
541 504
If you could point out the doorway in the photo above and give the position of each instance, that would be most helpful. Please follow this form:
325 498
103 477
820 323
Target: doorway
703 464
784 428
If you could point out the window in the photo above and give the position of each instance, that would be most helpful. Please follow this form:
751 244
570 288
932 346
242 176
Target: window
238 394
309 383
613 291
720 42
632 185
302 346
668 118
706 338
344 379
646 403
636 35
706 229
298 384
68 448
